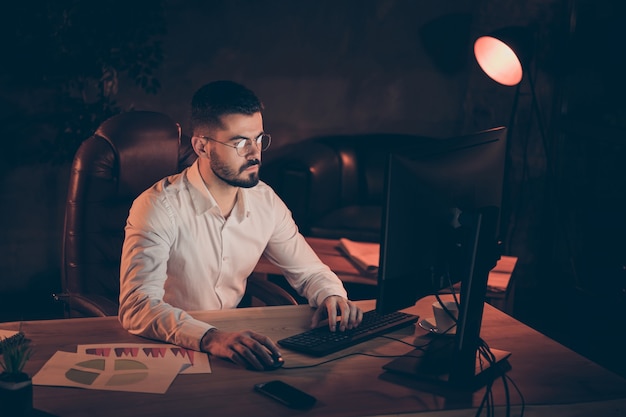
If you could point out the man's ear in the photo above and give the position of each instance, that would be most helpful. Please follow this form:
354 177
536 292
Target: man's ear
199 146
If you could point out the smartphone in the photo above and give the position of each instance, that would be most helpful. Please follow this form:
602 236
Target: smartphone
287 394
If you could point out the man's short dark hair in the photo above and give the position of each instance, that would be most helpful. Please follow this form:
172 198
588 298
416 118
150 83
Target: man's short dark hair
219 98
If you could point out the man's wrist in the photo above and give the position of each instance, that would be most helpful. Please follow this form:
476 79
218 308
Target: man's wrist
206 339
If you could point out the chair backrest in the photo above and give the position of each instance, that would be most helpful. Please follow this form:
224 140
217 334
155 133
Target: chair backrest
126 155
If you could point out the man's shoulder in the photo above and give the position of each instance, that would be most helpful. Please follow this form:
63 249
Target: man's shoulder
163 188
159 202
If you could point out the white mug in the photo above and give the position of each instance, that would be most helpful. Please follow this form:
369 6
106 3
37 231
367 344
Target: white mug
443 321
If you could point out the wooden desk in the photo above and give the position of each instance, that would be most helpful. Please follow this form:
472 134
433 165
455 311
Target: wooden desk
545 371
327 250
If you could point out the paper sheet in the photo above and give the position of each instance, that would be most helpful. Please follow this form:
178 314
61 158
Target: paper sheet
5 334
364 254
147 374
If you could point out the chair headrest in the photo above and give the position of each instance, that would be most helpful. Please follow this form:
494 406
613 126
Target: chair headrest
146 145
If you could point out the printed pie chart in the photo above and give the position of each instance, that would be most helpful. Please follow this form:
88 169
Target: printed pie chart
125 372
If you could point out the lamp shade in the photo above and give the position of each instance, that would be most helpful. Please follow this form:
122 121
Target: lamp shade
504 54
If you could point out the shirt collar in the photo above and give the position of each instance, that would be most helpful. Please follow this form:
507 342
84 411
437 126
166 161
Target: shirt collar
203 200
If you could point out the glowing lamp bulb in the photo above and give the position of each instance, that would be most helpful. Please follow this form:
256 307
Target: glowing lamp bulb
498 60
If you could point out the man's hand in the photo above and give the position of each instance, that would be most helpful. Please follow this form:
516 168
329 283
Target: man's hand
245 348
351 315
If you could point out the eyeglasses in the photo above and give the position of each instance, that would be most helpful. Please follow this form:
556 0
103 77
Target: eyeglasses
244 146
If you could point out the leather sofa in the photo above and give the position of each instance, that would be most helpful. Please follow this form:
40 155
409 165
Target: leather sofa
334 185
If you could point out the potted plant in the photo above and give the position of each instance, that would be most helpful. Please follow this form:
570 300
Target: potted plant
16 388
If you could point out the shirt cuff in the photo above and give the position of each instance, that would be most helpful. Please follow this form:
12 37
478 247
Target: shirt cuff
190 333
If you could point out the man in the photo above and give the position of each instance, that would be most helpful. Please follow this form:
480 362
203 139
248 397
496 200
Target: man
192 239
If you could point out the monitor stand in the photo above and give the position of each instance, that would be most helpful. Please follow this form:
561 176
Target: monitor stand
432 365
452 361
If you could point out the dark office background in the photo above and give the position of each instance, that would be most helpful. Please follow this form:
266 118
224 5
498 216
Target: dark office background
353 66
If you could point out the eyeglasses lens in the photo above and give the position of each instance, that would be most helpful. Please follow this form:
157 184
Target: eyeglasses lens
262 142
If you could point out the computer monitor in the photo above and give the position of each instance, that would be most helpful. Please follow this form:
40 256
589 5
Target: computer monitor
440 227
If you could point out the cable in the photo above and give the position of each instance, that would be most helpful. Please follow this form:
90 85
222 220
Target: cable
420 347
371 355
486 353
519 392
417 347
486 359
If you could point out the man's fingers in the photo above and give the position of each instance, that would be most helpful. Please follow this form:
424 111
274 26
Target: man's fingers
351 315
345 315
356 316
331 309
264 348
246 348
251 358
359 316
238 359
334 306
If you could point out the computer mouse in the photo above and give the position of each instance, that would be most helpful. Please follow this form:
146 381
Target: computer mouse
278 362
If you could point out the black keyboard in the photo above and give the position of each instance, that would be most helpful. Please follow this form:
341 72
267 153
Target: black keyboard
321 341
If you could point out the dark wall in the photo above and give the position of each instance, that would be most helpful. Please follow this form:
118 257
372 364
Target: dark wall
327 66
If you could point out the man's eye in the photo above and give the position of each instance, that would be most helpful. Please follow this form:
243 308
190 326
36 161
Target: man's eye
240 144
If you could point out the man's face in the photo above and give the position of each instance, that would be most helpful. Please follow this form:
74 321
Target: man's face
226 163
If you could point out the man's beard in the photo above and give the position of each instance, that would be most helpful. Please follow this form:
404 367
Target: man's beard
230 176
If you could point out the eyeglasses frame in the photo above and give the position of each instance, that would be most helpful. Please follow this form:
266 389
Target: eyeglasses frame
241 149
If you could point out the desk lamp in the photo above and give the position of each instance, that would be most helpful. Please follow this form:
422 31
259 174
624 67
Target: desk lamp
505 56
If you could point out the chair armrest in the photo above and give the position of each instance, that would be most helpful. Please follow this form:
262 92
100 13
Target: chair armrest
91 305
268 293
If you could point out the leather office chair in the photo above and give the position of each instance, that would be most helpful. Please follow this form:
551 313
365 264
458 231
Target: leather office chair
127 154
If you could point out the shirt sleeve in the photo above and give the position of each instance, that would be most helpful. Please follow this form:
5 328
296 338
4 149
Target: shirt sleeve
301 266
150 233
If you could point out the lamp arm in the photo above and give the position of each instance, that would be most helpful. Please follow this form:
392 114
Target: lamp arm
535 105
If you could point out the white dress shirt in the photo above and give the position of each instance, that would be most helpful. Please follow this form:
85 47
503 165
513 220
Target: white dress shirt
180 254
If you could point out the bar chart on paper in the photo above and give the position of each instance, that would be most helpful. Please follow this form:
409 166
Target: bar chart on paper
192 362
